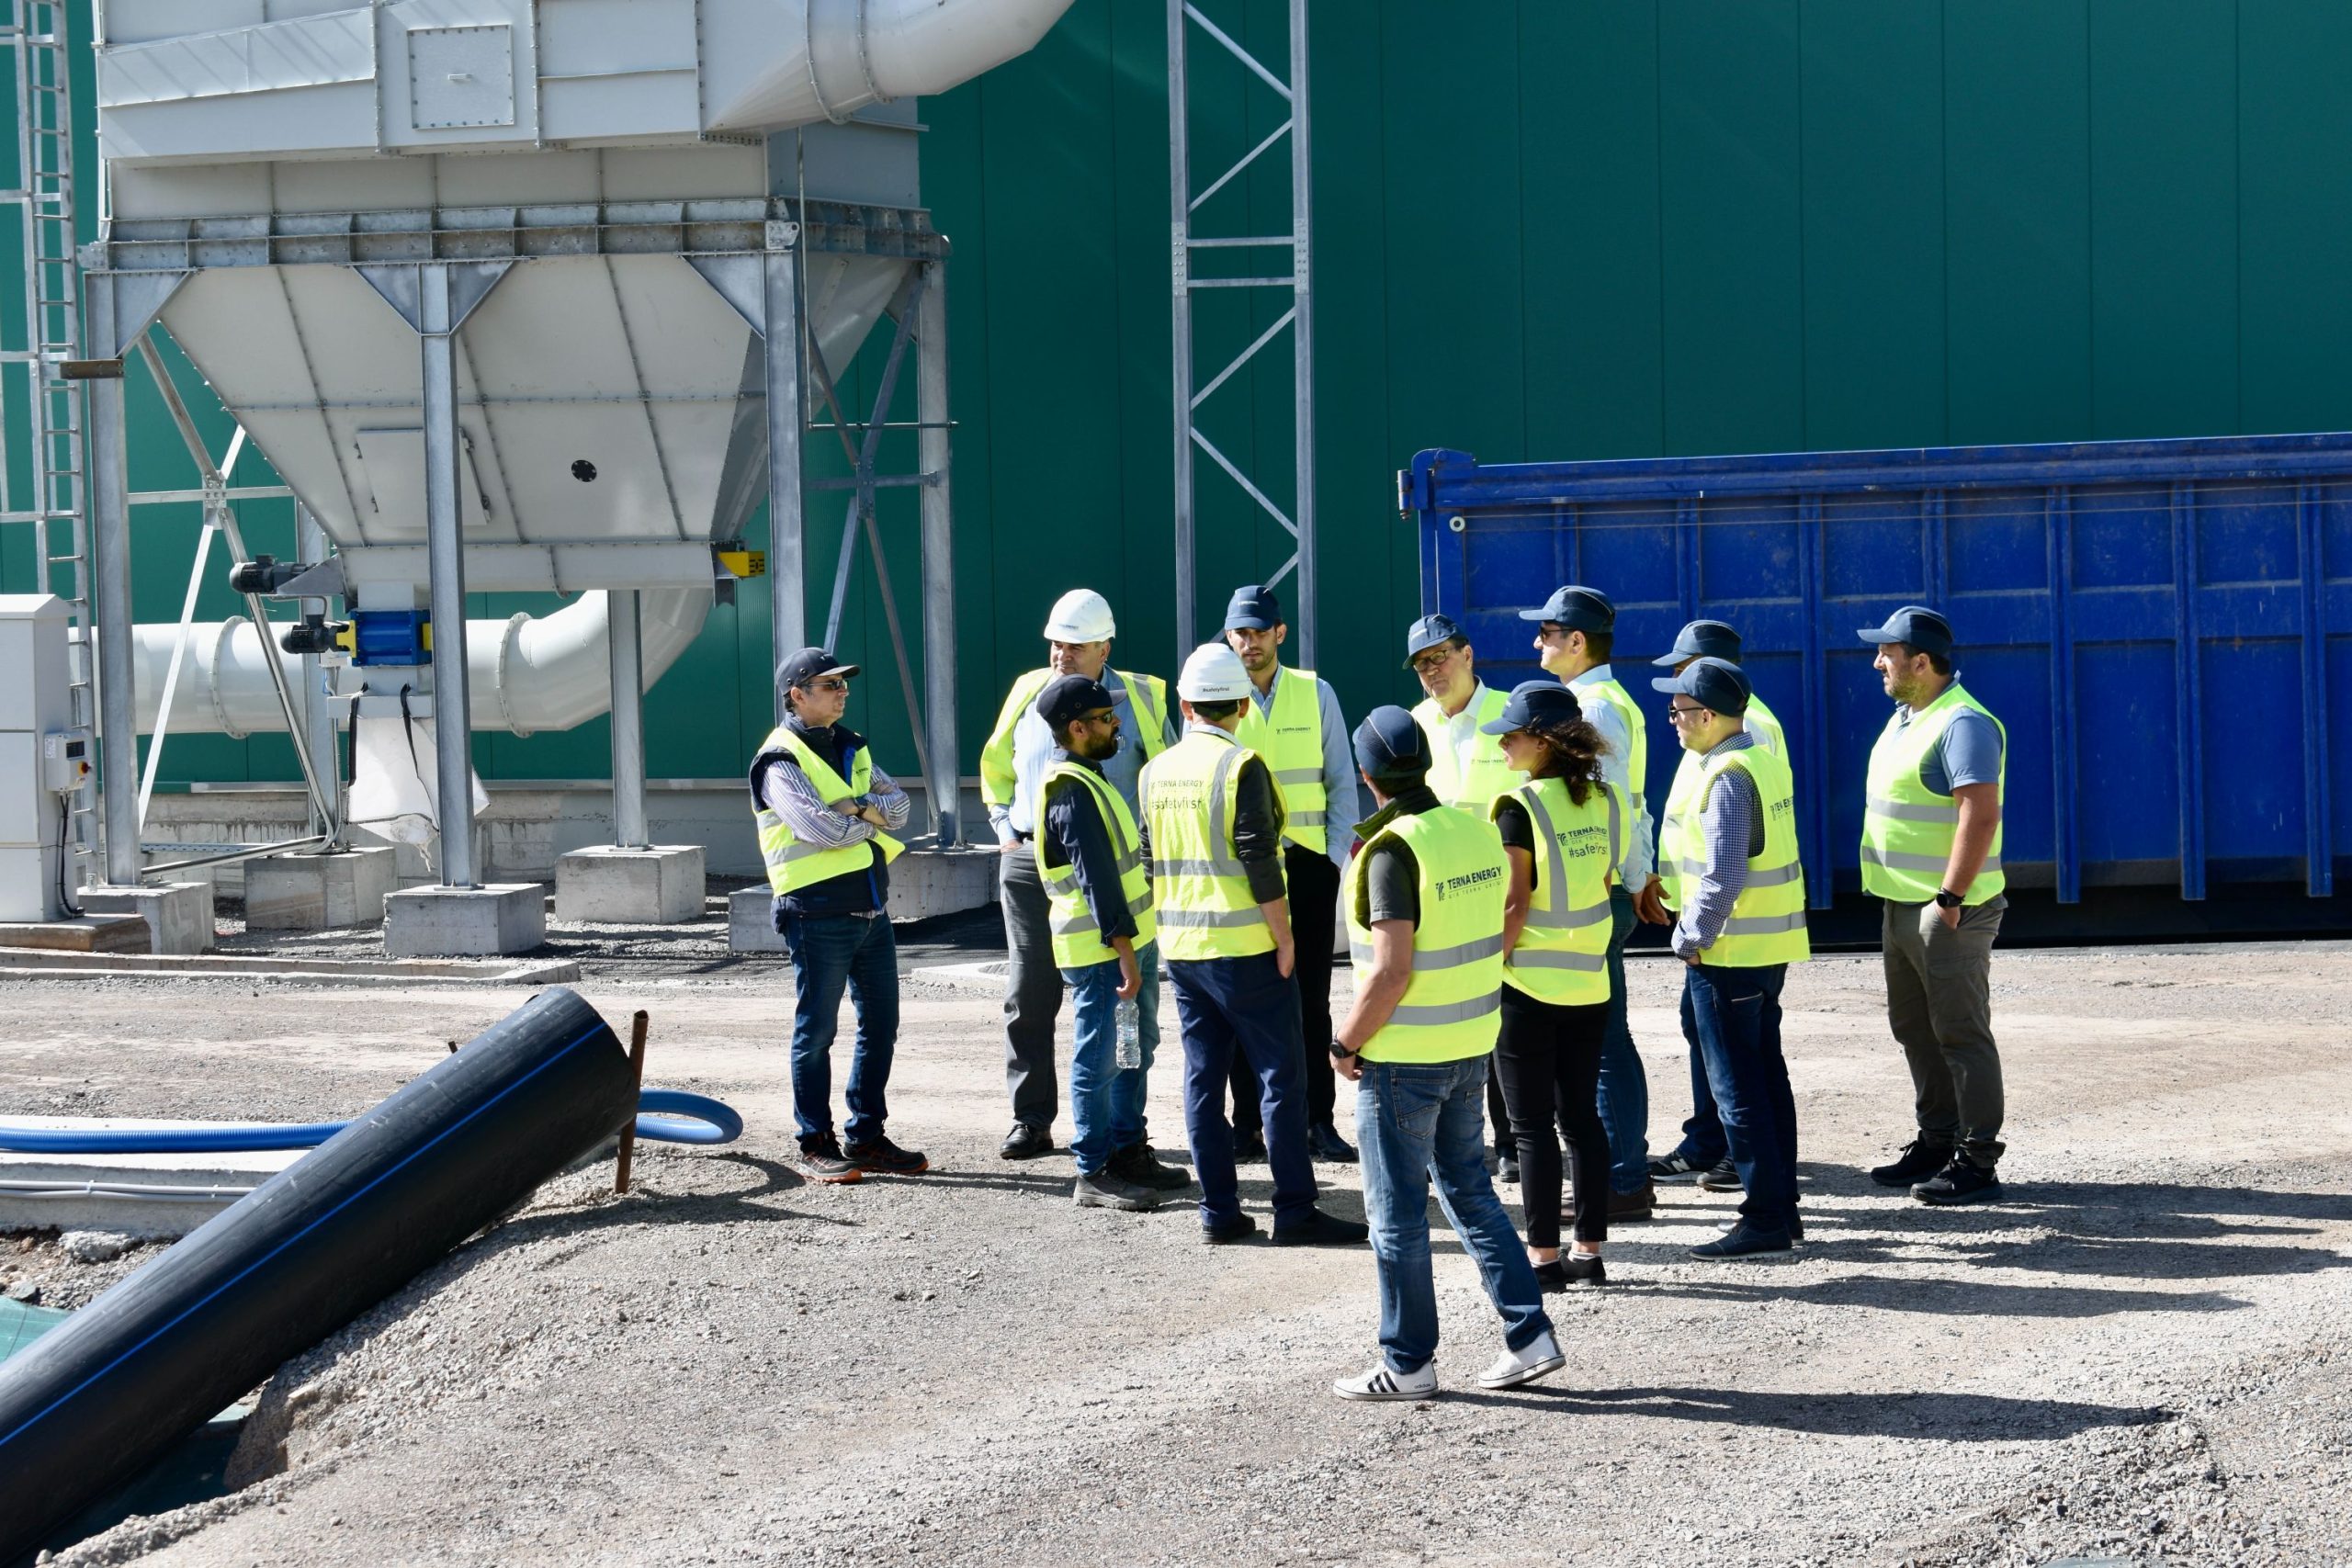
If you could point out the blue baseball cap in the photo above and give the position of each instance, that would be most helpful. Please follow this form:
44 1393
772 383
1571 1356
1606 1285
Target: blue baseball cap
1915 623
1579 609
1255 608
1703 639
1534 702
1427 633
809 664
1716 684
1066 696
1389 745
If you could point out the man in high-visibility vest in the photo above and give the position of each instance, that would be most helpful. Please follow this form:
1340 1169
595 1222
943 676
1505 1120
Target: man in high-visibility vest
1702 1155
1425 908
1099 894
1019 750
1931 850
1575 634
1466 771
1213 826
1293 721
1742 924
825 815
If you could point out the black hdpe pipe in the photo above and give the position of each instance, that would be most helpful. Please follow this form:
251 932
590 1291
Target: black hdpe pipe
105 1394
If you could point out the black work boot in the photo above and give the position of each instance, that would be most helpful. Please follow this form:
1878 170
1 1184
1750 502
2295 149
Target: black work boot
1919 1160
1960 1181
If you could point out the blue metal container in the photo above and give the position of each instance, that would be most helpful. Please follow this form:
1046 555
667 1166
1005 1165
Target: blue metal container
2163 626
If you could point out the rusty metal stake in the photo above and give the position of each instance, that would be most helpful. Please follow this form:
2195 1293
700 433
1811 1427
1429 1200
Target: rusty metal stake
636 1082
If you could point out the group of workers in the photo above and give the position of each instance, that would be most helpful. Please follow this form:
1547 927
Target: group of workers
1212 837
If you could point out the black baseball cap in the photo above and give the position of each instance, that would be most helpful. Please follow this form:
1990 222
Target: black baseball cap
1532 702
1256 608
1066 696
1717 683
1703 639
1579 609
1427 633
1915 623
1389 745
809 664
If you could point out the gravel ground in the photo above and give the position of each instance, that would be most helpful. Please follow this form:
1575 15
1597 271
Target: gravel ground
2140 1357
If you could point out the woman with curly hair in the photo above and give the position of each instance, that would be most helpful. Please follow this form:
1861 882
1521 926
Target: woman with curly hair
1563 831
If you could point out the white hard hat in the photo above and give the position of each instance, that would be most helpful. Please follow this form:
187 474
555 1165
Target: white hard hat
1080 615
1213 674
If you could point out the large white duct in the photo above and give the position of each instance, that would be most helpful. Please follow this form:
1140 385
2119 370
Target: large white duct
528 673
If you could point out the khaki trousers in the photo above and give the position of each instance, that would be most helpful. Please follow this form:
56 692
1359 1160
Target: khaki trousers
1939 1006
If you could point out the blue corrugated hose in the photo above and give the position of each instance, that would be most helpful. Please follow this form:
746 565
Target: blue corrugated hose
663 1115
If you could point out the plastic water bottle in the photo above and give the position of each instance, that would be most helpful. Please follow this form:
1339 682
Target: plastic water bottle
1130 1050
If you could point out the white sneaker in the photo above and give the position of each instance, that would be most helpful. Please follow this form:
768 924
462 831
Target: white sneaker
1540 1358
1382 1383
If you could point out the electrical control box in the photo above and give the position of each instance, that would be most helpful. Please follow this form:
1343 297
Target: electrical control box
65 761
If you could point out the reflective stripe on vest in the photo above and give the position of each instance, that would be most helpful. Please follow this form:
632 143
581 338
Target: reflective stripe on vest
1563 952
1638 735
1204 907
1488 776
1451 1006
1767 924
1907 829
1077 936
791 864
1678 861
1290 738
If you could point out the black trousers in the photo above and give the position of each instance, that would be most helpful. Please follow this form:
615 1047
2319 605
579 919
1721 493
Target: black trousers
1549 1061
1313 913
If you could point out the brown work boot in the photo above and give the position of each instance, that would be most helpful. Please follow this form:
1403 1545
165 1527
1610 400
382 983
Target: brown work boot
1633 1205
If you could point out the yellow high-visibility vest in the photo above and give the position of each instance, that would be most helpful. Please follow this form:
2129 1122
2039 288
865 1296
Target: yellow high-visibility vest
1290 738
1200 890
1147 699
1473 788
1681 859
1562 955
1637 736
1452 1006
1767 922
1907 829
1078 940
791 865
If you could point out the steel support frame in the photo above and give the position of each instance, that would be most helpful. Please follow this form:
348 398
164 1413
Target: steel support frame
1184 15
629 829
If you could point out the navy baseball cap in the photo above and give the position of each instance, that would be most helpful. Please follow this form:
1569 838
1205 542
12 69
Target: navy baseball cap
1717 683
1427 633
1389 744
1579 609
1533 702
1066 696
1915 623
1703 639
807 665
1255 608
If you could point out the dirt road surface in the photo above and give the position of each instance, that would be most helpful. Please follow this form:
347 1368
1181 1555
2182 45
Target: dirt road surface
2140 1356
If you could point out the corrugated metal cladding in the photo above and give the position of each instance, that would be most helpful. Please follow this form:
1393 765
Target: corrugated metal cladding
1554 230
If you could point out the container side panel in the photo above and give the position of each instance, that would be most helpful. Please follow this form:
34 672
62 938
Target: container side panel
2127 802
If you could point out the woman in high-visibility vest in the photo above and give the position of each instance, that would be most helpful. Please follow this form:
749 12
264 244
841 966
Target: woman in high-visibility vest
1563 832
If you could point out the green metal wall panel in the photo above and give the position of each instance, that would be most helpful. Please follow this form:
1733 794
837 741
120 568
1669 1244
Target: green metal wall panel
1552 228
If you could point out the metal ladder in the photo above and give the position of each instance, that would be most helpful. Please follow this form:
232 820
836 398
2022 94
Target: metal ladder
34 377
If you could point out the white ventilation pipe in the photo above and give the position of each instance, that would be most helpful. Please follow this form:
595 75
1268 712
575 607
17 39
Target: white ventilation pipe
527 673
766 66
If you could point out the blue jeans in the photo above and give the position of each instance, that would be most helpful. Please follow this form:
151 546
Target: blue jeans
1733 1018
1702 1136
1224 1005
829 953
1625 1088
1415 1122
1106 1101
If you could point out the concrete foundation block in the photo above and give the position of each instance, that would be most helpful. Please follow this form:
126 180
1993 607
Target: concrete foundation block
662 886
316 892
749 924
446 922
943 881
178 914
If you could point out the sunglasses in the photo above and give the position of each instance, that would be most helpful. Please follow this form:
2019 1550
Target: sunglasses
830 683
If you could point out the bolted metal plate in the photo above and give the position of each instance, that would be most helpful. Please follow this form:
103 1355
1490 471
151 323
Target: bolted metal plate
460 77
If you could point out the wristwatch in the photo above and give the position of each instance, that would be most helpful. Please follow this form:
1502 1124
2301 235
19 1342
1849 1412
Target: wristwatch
1342 1052
1947 899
